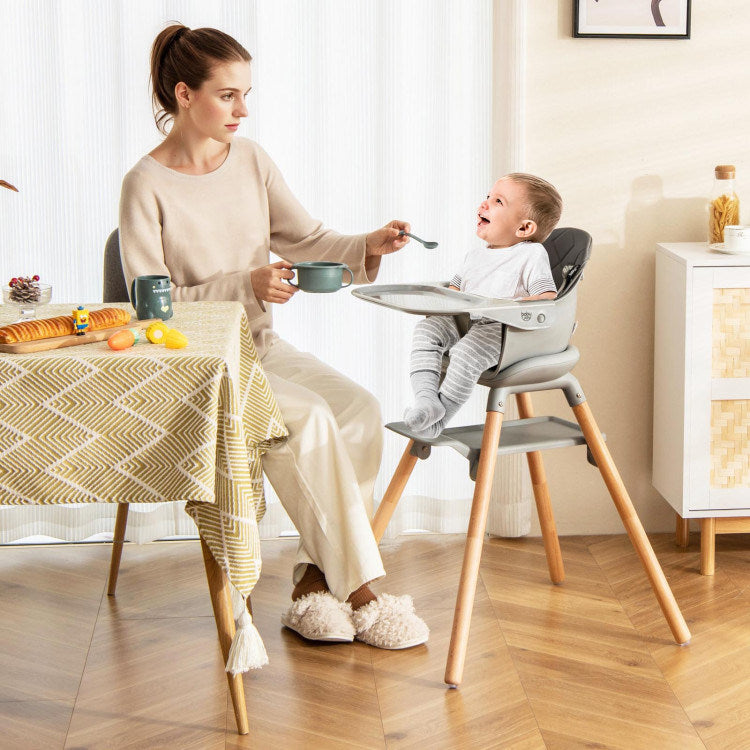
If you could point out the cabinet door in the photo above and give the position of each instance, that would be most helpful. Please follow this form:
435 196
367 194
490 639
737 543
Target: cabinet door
718 398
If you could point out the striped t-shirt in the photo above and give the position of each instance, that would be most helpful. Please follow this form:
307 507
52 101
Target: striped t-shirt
514 272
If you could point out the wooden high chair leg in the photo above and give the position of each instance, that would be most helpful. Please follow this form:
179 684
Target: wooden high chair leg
632 523
393 493
118 538
542 500
467 586
221 601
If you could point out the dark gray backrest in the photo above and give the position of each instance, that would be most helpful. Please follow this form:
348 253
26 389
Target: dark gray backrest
113 288
569 250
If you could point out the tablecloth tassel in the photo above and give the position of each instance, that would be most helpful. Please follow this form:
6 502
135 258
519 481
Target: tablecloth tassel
247 650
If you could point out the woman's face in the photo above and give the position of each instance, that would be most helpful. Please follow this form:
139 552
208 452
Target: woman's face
215 109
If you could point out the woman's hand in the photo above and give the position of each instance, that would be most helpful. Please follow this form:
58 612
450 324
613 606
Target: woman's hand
387 240
268 285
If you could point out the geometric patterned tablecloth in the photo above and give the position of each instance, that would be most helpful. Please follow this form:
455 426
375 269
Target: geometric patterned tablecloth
86 424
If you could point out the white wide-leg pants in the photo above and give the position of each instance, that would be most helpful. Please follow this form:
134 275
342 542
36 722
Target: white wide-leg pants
325 472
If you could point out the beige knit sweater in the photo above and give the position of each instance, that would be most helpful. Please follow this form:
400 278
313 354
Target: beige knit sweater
208 232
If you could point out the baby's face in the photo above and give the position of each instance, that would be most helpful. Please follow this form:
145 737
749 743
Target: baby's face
501 215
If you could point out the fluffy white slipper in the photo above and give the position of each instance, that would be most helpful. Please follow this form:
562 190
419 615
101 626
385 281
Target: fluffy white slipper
320 617
390 622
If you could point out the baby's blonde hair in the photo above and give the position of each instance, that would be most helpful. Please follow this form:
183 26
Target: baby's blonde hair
543 203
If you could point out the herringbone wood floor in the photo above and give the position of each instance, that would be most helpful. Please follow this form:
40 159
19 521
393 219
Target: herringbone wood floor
589 664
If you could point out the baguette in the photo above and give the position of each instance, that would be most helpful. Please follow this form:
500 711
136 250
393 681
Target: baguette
108 317
63 325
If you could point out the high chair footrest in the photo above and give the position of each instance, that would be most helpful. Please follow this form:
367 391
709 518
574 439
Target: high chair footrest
516 436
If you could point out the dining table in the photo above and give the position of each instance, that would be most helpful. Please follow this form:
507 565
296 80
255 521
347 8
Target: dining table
150 424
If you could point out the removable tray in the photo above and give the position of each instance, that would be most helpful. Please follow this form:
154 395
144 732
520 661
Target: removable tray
435 299
423 299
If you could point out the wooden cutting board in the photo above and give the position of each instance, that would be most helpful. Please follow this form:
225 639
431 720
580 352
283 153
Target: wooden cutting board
58 342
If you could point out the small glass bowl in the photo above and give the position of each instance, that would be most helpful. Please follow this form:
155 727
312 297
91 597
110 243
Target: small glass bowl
27 310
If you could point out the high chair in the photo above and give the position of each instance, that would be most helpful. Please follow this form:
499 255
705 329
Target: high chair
536 356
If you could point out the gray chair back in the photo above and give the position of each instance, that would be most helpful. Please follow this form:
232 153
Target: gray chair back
114 288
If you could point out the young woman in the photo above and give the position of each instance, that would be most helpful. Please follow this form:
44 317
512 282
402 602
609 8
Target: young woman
207 207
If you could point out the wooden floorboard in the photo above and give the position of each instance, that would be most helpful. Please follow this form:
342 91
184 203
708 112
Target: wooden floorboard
587 664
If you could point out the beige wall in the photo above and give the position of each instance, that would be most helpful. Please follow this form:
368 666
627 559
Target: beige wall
629 131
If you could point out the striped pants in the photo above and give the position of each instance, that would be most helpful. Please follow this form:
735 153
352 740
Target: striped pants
470 356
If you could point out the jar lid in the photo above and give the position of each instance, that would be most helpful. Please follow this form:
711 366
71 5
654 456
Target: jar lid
724 172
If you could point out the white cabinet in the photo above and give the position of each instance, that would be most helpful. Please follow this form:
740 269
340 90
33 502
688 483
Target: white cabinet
702 389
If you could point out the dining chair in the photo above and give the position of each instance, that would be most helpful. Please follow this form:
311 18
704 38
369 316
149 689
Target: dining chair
532 359
115 289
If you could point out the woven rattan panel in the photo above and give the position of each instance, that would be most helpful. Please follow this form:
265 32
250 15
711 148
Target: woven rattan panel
730 447
730 356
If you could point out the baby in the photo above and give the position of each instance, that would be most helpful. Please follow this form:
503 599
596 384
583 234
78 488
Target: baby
518 214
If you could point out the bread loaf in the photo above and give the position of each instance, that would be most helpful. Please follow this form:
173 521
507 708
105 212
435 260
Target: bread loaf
108 317
62 325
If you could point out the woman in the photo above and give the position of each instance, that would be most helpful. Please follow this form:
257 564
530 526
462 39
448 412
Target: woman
206 208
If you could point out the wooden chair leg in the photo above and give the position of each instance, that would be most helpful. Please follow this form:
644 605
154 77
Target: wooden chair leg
632 523
682 531
118 539
393 493
473 550
708 546
542 499
221 601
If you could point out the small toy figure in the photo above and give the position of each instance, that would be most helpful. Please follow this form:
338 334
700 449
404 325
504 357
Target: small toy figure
81 320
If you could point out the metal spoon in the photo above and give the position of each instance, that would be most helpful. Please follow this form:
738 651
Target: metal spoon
428 245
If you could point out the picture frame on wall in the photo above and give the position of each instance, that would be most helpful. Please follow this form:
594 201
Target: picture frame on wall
632 19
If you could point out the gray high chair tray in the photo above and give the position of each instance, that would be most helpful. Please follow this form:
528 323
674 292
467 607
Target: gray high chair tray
438 299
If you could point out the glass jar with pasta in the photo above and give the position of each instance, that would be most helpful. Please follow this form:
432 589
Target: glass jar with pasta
724 207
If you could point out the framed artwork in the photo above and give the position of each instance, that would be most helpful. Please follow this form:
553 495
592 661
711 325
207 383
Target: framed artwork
637 19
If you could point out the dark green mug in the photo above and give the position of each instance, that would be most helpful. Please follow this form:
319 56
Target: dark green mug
321 276
151 297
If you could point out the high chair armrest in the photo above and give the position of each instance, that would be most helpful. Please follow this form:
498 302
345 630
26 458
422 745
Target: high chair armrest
526 315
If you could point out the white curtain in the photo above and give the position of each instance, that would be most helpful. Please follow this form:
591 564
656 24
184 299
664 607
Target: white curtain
372 110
